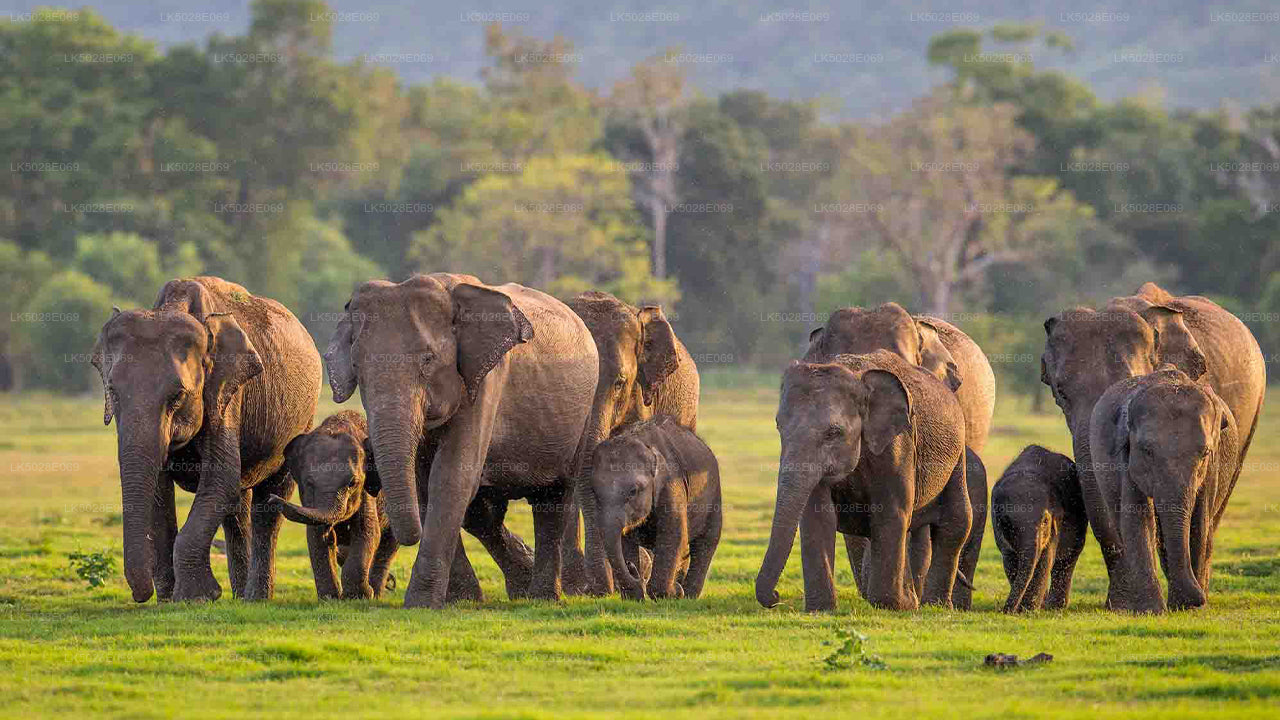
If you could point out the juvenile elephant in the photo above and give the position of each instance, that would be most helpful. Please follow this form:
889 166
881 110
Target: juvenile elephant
954 358
1087 351
207 388
657 486
488 386
1038 517
346 521
645 371
1171 453
872 446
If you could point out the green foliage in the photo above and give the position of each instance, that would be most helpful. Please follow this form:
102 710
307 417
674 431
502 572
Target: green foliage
130 266
850 652
59 326
93 567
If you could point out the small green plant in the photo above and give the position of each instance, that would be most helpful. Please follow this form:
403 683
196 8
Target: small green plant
93 567
850 650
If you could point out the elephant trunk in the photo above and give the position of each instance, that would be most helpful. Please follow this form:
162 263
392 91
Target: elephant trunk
395 435
141 452
331 515
794 489
1173 514
632 585
1029 556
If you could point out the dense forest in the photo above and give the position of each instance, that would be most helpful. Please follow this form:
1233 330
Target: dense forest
1003 188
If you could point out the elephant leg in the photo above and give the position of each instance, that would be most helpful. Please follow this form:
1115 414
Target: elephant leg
322 546
574 577
485 520
1141 590
549 511
1071 539
976 481
382 557
1174 521
164 529
856 548
920 551
949 535
266 524
193 576
463 583
888 584
668 552
818 551
364 543
236 527
701 550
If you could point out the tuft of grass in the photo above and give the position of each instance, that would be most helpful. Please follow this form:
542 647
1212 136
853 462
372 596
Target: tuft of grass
93 567
851 651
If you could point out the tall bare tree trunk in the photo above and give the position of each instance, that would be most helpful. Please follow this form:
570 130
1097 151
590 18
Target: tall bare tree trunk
659 210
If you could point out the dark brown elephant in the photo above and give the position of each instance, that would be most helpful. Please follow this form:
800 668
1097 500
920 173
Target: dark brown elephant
645 371
207 388
492 387
1087 351
1166 452
1039 523
872 446
954 358
346 520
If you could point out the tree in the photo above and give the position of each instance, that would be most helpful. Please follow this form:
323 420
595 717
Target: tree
936 185
60 324
562 225
130 265
653 99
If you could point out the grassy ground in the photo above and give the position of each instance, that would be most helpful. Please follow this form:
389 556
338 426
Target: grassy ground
65 648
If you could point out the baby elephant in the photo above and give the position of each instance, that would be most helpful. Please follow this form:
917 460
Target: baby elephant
347 524
1040 523
657 486
1166 449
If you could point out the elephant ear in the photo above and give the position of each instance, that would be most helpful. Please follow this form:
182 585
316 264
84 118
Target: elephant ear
1120 441
293 454
936 358
372 480
104 361
487 325
888 409
339 356
815 342
658 351
232 361
1174 341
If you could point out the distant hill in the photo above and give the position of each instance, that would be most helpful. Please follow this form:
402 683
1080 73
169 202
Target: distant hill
866 56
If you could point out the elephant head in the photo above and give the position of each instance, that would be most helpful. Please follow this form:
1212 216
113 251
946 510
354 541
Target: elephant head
333 472
418 350
165 376
857 331
625 482
1169 441
829 416
1174 342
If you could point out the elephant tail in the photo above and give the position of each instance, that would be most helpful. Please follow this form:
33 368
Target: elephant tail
1031 552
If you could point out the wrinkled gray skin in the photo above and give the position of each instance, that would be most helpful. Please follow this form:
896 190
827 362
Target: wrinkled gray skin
207 388
657 486
1167 452
1087 351
950 355
1039 522
645 371
872 446
346 522
476 396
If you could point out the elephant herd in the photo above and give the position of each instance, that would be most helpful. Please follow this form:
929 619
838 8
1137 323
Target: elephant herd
477 395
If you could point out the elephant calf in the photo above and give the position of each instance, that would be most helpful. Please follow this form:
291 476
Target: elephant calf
347 525
1039 521
1169 452
657 486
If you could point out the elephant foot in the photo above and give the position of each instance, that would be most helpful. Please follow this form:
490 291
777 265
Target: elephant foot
768 598
675 592
361 592
1187 599
819 605
545 591
198 587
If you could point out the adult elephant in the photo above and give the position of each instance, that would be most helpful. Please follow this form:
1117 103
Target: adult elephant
872 446
207 389
948 354
494 385
644 371
1087 351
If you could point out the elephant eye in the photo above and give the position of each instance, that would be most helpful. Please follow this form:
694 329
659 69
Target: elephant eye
835 432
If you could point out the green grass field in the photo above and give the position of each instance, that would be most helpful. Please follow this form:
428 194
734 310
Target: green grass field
69 649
